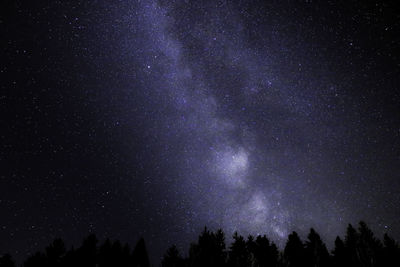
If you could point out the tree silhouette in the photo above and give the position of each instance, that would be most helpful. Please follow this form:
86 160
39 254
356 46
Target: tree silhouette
351 246
172 258
126 257
87 253
263 252
55 253
238 254
71 258
391 252
340 256
105 254
273 256
316 252
116 252
369 247
294 252
140 257
360 248
251 248
6 261
38 259
220 253
209 250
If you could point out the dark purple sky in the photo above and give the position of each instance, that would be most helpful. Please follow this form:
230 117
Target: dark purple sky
154 119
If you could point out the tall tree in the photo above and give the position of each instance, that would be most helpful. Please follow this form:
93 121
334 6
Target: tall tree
6 261
239 255
116 252
55 253
340 257
391 252
351 246
369 247
126 258
139 255
294 252
316 251
209 250
105 254
172 258
264 253
220 248
87 253
71 258
251 248
36 260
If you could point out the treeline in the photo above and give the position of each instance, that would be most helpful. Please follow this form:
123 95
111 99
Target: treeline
358 248
89 254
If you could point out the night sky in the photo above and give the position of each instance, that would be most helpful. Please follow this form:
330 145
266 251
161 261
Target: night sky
154 119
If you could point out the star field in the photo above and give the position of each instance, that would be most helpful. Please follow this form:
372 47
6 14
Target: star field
156 118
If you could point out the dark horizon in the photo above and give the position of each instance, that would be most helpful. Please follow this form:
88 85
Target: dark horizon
359 247
155 118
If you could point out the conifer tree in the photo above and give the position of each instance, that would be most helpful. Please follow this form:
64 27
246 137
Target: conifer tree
316 251
172 258
238 253
391 252
369 247
140 256
55 253
340 257
351 246
294 252
6 261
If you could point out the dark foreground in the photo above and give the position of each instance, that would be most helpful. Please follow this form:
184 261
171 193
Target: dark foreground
358 248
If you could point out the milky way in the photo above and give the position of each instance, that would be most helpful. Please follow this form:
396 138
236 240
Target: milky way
228 195
157 118
254 130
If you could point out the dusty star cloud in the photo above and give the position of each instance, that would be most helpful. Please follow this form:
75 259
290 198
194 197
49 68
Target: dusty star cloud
227 142
252 117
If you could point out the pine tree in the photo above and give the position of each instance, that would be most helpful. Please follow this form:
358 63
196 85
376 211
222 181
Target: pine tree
238 253
294 252
220 253
316 251
369 247
55 253
209 250
391 252
265 253
6 261
87 253
340 257
351 246
172 258
140 257
105 255
38 259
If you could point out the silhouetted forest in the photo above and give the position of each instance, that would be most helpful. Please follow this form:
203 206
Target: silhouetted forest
358 248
